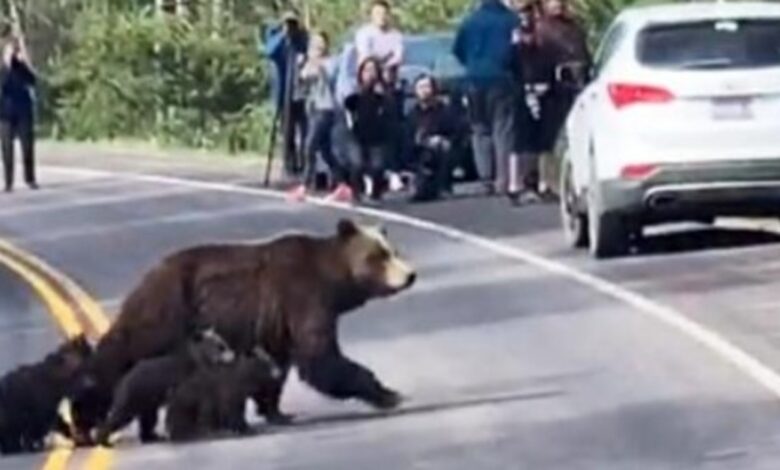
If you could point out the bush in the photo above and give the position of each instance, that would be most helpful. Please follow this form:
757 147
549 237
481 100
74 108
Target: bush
167 79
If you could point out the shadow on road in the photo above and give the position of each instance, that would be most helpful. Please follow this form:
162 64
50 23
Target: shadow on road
710 238
305 424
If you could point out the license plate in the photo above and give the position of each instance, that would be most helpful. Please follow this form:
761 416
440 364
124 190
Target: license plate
732 109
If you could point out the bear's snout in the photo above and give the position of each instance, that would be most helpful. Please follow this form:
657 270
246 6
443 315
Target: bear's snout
410 280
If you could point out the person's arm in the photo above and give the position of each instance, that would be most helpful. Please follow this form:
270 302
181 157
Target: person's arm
397 54
363 44
26 72
459 46
311 70
274 42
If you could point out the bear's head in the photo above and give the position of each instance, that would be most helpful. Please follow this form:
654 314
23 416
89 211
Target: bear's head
207 347
69 359
373 263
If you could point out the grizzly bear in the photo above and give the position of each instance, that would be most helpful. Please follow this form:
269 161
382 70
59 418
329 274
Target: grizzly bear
285 295
30 397
145 389
214 399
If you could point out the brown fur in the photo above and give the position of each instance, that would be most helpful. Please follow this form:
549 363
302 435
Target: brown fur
285 295
214 399
31 394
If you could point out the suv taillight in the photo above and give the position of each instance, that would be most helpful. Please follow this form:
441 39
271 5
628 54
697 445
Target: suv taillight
626 94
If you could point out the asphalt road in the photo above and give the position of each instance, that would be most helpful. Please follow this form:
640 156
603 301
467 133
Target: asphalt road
514 351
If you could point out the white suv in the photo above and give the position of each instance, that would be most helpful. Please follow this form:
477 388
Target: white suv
681 121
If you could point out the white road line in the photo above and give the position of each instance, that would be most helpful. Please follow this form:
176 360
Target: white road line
59 204
120 227
717 344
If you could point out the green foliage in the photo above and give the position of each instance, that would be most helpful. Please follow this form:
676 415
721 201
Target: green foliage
114 68
167 79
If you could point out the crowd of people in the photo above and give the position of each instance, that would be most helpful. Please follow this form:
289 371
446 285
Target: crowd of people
525 61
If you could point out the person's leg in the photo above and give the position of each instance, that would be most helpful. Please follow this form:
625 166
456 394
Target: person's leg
302 130
481 142
528 155
442 171
376 164
502 104
26 132
356 167
7 137
313 146
326 148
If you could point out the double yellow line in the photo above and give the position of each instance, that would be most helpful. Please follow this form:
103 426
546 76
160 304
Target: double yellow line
75 312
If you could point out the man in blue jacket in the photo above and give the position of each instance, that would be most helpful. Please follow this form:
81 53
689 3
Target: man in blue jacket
486 44
285 45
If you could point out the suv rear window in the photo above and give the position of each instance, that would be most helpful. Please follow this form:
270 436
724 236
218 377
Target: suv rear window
716 44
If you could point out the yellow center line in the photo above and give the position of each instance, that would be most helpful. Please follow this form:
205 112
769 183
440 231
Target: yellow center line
58 459
59 293
99 459
57 306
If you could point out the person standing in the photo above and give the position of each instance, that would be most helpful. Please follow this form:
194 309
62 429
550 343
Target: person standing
17 83
563 41
379 38
536 77
485 44
318 82
285 45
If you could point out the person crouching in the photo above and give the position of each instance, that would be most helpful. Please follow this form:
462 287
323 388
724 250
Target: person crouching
368 111
430 130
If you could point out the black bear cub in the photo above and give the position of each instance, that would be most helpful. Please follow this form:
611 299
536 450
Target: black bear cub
214 400
30 397
145 389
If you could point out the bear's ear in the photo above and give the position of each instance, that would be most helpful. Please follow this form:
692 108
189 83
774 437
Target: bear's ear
347 229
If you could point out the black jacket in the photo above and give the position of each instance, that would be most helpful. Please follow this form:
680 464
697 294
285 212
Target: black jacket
425 122
16 84
371 113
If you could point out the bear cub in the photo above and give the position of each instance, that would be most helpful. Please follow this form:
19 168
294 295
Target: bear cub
30 397
214 400
146 388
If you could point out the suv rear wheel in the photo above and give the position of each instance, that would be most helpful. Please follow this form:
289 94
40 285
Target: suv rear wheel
608 231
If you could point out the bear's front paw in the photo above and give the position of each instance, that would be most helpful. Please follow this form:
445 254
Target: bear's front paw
388 399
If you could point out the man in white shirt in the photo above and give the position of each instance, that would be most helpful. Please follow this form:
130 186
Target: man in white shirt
379 38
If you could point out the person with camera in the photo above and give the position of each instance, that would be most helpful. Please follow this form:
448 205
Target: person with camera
368 115
286 45
430 134
17 84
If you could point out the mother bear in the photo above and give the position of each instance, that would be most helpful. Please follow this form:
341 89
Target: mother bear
286 295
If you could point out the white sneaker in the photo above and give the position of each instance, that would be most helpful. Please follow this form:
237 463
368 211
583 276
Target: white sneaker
395 182
368 186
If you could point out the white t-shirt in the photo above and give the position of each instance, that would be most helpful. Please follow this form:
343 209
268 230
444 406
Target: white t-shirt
387 45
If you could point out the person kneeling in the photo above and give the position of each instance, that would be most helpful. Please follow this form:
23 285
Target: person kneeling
430 136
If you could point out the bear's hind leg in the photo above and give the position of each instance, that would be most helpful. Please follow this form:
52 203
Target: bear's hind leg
267 403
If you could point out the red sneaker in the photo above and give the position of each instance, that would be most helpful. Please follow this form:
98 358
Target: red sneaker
342 193
297 194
